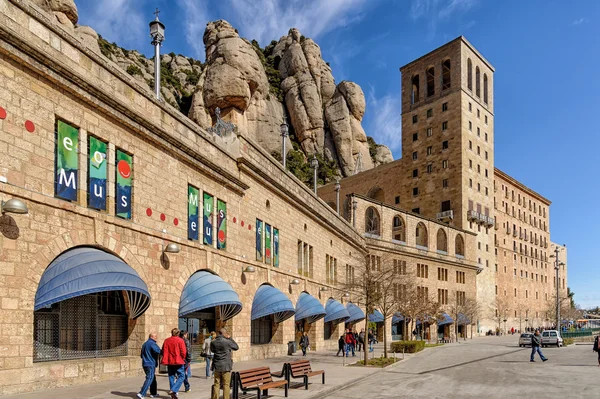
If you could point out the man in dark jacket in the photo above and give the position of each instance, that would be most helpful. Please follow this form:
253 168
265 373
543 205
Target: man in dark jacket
221 348
596 347
361 339
149 355
174 352
342 345
536 342
188 359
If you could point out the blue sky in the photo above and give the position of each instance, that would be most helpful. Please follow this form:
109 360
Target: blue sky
547 90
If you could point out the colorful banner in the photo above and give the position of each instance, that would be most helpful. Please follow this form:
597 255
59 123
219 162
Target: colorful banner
259 227
221 224
67 161
97 174
267 243
275 247
193 213
124 179
208 219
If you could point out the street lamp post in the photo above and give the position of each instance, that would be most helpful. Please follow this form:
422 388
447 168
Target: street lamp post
505 325
284 135
157 33
314 163
354 206
337 196
557 264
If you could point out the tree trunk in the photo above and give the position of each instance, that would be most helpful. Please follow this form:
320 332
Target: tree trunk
385 353
366 338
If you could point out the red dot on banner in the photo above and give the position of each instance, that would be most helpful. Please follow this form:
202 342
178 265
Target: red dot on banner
221 236
175 221
2 113
29 126
249 227
163 217
234 220
149 212
242 223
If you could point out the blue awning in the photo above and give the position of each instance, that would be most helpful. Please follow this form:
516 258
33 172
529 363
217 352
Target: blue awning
86 270
335 312
376 316
446 319
356 313
309 308
463 320
397 318
205 290
270 301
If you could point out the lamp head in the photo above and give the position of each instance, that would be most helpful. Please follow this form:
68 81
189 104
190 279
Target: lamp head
157 28
337 185
14 205
314 162
284 128
295 282
249 269
172 248
346 295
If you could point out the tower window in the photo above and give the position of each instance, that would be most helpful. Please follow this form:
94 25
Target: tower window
444 107
415 173
429 113
415 155
415 191
477 82
429 150
415 136
469 74
397 200
430 81
446 76
429 132
485 88
445 125
415 118
445 183
429 168
445 164
445 145
414 98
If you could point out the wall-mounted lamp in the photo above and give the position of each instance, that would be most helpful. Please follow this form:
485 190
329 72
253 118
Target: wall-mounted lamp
172 248
248 269
295 282
322 289
346 295
14 206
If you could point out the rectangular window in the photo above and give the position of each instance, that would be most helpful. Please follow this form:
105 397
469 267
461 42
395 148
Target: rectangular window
429 113
415 136
415 118
429 150
445 164
478 150
486 155
193 221
66 161
444 107
444 125
415 155
470 164
470 107
471 183
486 137
478 133
416 210
442 274
123 182
221 224
262 330
486 119
97 173
415 191
445 183
415 173
445 145
397 200
429 168
478 112
429 132
470 126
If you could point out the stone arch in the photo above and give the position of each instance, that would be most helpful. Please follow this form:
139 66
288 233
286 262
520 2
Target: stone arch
442 240
372 221
459 245
421 235
376 193
398 228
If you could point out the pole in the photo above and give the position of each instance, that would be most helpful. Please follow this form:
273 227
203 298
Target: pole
337 196
283 153
156 68
315 180
556 266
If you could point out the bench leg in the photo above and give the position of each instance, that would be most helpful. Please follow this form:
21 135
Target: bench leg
306 382
266 392
286 390
323 378
257 394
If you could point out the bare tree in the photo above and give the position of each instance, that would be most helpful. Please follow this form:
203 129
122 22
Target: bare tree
460 310
522 313
472 310
500 310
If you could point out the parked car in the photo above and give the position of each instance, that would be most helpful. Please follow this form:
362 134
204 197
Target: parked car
552 337
525 340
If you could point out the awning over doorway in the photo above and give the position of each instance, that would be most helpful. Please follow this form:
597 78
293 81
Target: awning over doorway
205 290
376 317
463 320
271 301
446 319
309 308
397 318
335 312
356 313
86 270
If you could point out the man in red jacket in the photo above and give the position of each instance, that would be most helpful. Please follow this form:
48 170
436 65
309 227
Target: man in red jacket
174 352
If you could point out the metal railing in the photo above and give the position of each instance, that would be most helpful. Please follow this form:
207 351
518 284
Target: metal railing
445 215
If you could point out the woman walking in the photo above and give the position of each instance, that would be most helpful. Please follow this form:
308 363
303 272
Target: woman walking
304 343
208 354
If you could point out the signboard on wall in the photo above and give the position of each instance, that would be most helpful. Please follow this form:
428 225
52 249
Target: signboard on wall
259 227
193 213
124 187
66 161
97 174
208 219
221 224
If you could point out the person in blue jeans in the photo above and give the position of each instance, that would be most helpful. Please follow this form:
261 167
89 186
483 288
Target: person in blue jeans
208 353
188 359
371 338
536 342
149 355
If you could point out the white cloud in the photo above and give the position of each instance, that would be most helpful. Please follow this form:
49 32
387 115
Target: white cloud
579 21
266 20
436 11
383 119
196 17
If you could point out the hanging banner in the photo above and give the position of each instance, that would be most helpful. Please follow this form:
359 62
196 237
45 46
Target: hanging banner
97 174
124 178
267 243
221 224
275 247
259 253
208 219
67 161
193 213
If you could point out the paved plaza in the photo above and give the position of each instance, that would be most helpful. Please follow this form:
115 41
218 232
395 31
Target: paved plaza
490 367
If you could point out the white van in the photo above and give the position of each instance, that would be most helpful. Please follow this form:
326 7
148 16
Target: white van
552 337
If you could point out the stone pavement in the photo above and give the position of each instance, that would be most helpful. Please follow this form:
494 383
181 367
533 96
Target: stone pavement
337 375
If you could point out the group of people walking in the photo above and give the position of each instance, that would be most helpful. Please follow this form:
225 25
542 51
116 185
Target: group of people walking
352 340
176 355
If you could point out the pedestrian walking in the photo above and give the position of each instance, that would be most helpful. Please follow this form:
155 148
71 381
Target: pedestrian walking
350 342
536 342
188 359
221 348
596 348
173 352
371 338
149 354
208 355
361 339
341 346
304 343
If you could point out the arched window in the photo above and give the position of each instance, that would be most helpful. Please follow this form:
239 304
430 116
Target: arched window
459 246
261 330
421 235
414 95
469 74
372 221
430 81
446 79
442 241
376 193
485 88
398 229
477 82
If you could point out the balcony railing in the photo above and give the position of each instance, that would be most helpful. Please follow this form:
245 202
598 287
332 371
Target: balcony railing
521 236
526 238
472 215
445 215
515 233
489 221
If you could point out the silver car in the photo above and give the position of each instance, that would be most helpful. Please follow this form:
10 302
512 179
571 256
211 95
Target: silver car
525 339
552 337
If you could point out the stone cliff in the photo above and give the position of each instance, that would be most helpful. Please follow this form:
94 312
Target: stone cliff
256 88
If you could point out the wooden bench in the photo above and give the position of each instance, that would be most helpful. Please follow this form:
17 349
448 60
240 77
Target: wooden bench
302 369
259 379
